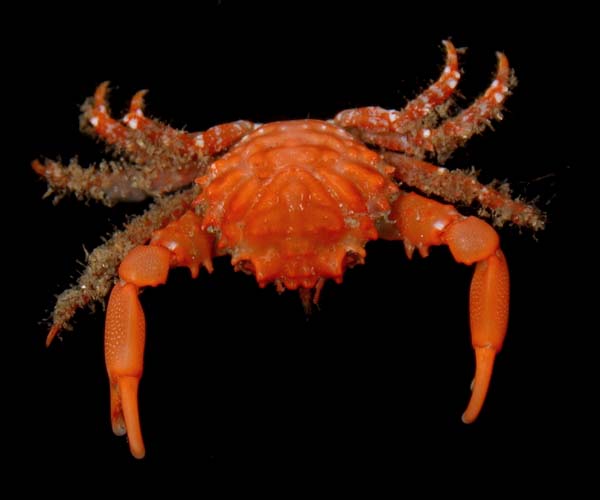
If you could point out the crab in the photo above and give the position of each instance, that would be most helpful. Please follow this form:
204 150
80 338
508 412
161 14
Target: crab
292 203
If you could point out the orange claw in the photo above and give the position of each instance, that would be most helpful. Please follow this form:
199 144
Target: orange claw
472 240
124 337
124 351
489 319
181 243
421 223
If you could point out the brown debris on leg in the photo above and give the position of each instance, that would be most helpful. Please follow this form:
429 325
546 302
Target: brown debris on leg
139 139
99 275
456 131
162 158
151 143
381 121
114 182
462 187
443 139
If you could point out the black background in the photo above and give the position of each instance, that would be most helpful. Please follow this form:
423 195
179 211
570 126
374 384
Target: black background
236 377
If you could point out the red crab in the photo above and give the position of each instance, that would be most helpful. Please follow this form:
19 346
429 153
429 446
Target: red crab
293 203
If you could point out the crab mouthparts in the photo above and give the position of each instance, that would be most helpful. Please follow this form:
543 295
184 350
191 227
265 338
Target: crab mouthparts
301 272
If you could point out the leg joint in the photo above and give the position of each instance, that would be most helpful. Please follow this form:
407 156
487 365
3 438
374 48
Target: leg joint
471 240
146 266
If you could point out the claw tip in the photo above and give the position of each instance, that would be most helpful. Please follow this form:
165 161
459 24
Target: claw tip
138 453
466 420
51 334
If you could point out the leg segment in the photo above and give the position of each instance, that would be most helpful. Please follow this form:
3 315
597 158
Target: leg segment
98 277
459 186
124 353
139 137
181 243
164 159
379 127
454 132
379 120
421 223
114 182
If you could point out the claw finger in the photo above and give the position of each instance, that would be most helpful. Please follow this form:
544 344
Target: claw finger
116 411
484 357
128 388
124 350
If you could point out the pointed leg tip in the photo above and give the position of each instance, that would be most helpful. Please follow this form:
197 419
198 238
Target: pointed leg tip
38 168
449 46
503 66
51 334
100 94
137 101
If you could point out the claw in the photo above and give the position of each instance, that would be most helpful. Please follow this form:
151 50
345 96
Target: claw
125 330
421 223
484 359
472 240
489 320
124 351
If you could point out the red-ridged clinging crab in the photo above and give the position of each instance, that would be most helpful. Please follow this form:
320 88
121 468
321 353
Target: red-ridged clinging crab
293 203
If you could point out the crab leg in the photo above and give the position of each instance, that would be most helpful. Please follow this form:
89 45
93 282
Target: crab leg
455 131
114 182
379 127
139 136
168 159
421 223
181 243
462 186
375 119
